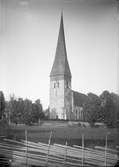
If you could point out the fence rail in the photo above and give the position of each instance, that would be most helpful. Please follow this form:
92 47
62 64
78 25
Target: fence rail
30 153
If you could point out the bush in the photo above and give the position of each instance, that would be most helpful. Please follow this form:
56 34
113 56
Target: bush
4 127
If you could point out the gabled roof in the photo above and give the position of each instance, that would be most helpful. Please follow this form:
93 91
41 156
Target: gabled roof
61 65
79 98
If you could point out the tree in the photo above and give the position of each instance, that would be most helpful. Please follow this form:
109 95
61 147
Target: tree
115 99
4 128
37 111
27 112
33 112
109 109
24 111
14 109
92 109
2 104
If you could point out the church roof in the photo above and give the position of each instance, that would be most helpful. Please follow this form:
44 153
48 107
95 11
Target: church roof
61 65
79 98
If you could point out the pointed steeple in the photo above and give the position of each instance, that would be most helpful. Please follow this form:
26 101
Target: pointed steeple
61 65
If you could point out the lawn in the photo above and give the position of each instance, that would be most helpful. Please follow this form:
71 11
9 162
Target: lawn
62 132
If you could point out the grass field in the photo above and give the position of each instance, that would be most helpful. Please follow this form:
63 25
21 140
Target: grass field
62 132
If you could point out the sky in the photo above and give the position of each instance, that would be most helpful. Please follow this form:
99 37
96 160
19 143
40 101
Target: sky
28 38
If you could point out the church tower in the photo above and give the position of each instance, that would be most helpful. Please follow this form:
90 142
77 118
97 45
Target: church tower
60 81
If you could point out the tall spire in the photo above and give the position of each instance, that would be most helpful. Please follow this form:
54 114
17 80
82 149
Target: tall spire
61 66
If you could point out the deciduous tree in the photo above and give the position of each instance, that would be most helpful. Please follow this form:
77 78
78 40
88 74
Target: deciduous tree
2 104
109 109
92 109
24 111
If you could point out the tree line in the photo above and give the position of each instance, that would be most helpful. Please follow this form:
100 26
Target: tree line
103 108
19 110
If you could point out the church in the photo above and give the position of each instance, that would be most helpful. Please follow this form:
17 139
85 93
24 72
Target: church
65 103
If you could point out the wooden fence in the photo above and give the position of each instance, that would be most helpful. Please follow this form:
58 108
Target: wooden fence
26 153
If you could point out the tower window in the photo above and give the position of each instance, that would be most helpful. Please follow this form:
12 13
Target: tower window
58 84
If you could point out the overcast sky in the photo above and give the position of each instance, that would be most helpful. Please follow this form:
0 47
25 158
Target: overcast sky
28 37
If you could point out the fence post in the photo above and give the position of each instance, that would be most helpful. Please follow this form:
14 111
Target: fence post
106 140
82 150
106 151
49 141
65 154
26 139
